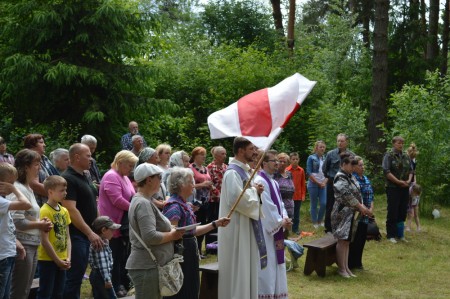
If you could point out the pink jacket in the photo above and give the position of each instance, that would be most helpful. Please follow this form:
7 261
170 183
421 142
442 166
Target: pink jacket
115 196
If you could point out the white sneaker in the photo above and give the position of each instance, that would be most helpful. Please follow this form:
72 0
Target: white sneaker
404 240
316 226
322 224
392 240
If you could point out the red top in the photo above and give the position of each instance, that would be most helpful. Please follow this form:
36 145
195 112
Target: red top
298 177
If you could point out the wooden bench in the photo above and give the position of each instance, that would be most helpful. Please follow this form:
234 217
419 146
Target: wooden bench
321 253
209 286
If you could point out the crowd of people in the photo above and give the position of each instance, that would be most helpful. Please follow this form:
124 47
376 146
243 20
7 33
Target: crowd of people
59 215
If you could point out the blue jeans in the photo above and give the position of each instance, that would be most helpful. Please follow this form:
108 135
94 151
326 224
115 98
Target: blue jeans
317 195
79 262
296 221
98 286
6 268
53 279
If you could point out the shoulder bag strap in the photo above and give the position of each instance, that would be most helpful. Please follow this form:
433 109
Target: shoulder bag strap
143 244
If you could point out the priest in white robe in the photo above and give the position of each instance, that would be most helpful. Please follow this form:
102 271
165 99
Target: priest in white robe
238 250
272 281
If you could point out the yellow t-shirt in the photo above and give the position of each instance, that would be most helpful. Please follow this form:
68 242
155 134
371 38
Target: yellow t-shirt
58 234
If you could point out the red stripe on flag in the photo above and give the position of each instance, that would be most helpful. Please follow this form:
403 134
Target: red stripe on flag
288 118
255 118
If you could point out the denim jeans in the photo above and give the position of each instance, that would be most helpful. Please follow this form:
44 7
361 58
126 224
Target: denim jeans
98 286
317 195
79 262
53 279
296 221
6 268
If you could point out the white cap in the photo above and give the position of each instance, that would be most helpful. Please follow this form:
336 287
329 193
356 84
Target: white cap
145 170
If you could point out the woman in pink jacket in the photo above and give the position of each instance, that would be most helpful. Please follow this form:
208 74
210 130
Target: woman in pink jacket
114 198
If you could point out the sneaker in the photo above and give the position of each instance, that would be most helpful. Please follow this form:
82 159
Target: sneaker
322 224
404 240
407 229
392 240
316 226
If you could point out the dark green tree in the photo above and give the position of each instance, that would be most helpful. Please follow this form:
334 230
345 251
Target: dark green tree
240 22
75 60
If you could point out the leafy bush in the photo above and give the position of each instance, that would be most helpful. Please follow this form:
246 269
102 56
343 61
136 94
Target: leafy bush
421 114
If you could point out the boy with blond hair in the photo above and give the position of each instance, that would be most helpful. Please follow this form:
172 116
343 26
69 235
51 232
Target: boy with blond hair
10 247
55 249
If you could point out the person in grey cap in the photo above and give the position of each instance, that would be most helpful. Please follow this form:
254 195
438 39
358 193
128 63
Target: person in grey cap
101 261
155 230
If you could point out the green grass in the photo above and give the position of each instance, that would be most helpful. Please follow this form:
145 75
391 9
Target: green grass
418 269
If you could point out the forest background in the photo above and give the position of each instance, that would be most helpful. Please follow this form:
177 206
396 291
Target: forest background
69 68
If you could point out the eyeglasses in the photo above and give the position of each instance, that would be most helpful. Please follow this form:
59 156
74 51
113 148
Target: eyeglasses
275 161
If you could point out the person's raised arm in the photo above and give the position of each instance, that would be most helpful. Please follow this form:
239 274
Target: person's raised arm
22 203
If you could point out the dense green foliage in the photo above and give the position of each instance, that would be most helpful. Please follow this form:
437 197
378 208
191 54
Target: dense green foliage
421 114
73 61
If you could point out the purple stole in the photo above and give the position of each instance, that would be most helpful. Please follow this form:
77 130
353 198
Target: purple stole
256 224
279 236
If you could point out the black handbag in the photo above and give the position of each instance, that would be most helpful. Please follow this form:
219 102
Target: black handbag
373 232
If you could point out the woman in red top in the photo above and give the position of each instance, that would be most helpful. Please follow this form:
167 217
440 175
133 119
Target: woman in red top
203 186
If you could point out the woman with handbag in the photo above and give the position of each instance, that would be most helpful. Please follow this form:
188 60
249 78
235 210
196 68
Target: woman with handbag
149 231
113 201
348 200
181 185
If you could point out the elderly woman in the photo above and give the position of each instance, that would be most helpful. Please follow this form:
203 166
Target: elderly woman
28 223
60 159
177 159
149 155
348 199
94 172
284 179
154 229
181 185
357 245
36 143
164 151
317 183
216 170
114 198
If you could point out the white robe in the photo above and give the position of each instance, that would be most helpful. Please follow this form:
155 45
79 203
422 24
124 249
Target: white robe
272 281
238 252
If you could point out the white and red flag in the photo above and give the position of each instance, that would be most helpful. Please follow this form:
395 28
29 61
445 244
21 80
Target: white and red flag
261 115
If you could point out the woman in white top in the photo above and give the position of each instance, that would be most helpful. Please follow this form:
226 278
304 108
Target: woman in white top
28 223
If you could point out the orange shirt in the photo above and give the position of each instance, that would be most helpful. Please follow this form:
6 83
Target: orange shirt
298 176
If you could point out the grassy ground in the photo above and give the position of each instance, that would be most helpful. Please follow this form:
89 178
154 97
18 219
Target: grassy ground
418 269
